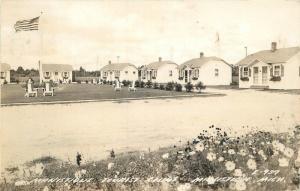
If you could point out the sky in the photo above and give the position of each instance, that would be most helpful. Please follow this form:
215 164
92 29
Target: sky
90 33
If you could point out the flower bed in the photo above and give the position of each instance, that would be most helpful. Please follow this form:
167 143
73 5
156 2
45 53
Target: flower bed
275 78
244 78
248 161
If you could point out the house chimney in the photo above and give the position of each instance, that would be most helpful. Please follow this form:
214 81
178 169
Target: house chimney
109 62
159 59
201 54
273 46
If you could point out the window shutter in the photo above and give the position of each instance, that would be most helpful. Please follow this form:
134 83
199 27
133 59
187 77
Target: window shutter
271 71
282 70
241 71
249 71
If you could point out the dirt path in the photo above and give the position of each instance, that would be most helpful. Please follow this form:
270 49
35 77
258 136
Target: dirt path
94 128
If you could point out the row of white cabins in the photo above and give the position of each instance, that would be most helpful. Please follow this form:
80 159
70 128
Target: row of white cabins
208 70
273 68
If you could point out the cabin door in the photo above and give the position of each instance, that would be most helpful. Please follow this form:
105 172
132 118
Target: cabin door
255 75
264 75
185 76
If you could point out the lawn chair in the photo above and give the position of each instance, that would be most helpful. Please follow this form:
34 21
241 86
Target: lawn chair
48 90
132 87
30 92
117 86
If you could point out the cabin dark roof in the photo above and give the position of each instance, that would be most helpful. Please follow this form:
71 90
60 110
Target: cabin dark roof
56 67
116 67
198 62
267 56
4 67
156 65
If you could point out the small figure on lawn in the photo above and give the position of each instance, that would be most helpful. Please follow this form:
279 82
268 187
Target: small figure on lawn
112 154
78 158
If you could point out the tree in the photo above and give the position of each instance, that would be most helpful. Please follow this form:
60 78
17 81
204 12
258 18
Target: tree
20 70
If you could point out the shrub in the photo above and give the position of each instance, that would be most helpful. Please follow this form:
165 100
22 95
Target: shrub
178 87
155 85
149 84
17 81
244 78
161 86
86 81
125 83
104 81
5 82
170 86
200 86
194 78
275 78
142 84
234 83
137 83
189 87
153 77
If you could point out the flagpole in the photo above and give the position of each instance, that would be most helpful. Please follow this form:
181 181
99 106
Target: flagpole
41 51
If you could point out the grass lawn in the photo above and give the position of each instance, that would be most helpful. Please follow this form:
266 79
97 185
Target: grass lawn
74 92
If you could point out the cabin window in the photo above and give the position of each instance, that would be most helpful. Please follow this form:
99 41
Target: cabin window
105 74
154 73
170 73
117 73
277 70
196 73
2 75
144 74
66 74
56 73
47 74
216 72
181 73
245 71
126 72
133 72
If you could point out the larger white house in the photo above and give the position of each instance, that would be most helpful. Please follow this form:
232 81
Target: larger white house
119 71
208 70
274 69
4 73
160 72
56 72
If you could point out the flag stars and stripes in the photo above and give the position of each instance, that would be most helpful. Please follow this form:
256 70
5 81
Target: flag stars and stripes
27 25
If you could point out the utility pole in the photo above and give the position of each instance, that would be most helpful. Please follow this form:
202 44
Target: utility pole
246 49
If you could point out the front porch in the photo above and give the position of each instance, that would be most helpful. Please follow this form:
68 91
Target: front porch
188 75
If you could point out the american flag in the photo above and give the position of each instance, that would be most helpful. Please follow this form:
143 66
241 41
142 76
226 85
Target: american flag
27 25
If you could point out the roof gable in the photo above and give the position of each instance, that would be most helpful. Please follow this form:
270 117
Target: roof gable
267 56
